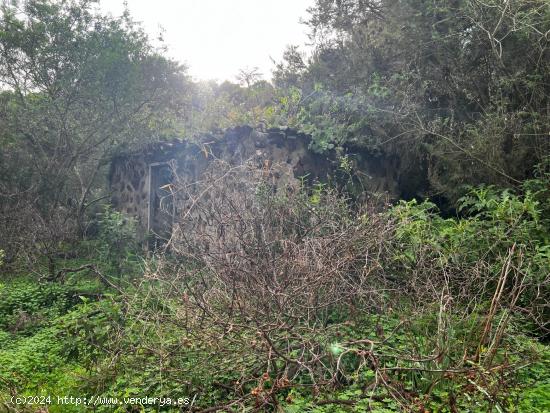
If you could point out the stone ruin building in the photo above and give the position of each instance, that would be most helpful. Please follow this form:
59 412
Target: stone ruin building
141 181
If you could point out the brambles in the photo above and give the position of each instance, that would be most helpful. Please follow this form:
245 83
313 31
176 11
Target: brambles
306 303
296 299
292 290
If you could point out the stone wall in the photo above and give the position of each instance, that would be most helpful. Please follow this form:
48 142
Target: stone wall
140 181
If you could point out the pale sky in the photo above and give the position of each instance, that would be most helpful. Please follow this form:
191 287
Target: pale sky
216 38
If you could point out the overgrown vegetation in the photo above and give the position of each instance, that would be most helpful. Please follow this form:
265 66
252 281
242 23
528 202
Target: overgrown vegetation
305 300
330 309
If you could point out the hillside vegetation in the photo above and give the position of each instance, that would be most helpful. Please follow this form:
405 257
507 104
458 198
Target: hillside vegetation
325 299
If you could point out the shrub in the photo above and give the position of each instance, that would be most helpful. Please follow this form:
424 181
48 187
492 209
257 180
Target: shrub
300 290
118 247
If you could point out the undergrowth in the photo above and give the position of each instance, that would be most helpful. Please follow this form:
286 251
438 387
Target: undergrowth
454 320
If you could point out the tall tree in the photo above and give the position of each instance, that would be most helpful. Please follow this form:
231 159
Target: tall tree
457 88
248 76
76 85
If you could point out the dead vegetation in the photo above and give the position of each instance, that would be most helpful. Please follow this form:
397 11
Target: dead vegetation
301 289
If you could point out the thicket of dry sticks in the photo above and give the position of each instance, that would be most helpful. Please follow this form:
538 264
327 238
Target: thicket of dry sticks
297 288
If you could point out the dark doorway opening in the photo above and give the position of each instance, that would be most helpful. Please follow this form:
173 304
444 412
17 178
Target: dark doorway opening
161 204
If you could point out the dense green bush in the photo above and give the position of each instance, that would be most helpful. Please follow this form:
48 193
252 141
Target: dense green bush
495 222
118 247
